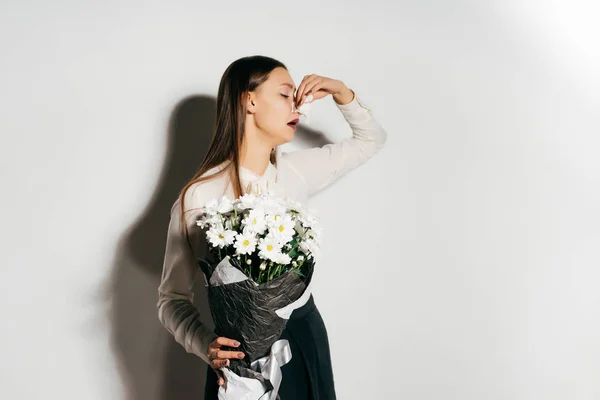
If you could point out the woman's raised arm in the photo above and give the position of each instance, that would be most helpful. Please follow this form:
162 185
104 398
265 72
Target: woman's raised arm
320 166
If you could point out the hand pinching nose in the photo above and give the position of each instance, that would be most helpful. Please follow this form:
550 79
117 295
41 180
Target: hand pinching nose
305 107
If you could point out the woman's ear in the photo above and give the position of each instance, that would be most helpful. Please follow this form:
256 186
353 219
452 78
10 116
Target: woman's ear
250 105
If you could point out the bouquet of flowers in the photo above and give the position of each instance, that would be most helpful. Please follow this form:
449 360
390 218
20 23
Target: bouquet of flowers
258 268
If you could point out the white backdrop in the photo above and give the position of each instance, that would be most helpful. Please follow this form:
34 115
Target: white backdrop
462 262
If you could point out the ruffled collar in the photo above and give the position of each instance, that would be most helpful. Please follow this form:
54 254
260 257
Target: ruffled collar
267 182
257 184
250 176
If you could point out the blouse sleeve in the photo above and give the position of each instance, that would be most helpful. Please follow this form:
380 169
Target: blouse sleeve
176 310
320 166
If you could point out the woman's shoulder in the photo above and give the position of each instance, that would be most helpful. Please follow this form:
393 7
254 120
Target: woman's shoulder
199 193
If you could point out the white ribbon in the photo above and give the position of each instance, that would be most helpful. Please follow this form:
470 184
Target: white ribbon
240 388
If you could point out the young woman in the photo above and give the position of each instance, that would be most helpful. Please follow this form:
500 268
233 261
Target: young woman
256 113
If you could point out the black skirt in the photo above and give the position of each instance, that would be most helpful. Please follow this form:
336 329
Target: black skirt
309 374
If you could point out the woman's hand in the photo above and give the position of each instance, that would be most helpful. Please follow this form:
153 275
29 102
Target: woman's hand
320 87
219 358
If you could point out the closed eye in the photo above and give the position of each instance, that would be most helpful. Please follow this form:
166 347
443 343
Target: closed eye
286 96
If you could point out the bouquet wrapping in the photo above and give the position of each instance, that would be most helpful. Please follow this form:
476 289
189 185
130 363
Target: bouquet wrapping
258 269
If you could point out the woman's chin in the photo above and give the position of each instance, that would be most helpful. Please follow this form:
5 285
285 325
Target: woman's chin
288 137
285 136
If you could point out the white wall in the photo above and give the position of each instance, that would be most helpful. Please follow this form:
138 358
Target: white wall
462 262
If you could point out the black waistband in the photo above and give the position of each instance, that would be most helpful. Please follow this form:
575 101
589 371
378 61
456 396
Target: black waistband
305 309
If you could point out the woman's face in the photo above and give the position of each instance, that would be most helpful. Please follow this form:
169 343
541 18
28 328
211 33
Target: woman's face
273 108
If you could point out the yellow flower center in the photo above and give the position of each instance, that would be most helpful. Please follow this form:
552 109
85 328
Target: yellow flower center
221 236
254 221
269 247
246 242
281 228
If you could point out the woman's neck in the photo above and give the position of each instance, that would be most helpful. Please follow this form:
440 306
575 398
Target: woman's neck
256 157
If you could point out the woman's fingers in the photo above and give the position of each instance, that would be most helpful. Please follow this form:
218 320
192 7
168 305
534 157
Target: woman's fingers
229 354
318 86
223 341
219 363
313 87
318 91
300 93
300 90
220 358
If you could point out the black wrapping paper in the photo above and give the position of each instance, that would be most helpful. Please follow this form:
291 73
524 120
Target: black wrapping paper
245 311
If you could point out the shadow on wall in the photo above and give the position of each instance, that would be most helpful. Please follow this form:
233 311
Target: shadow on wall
151 364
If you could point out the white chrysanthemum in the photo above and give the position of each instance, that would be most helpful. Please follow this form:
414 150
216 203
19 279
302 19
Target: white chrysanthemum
225 205
271 204
272 219
314 233
282 258
232 222
299 227
281 227
255 221
208 219
245 243
246 201
269 248
211 207
294 205
218 236
307 219
302 219
309 246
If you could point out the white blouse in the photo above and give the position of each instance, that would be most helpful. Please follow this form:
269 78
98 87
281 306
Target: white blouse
297 175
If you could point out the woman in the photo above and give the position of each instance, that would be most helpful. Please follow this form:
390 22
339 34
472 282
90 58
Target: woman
256 113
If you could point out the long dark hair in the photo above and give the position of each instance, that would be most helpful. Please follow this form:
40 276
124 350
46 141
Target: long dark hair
241 76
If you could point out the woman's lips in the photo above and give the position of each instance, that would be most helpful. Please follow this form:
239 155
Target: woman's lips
292 124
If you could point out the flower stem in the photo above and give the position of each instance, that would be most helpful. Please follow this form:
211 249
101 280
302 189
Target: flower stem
272 272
